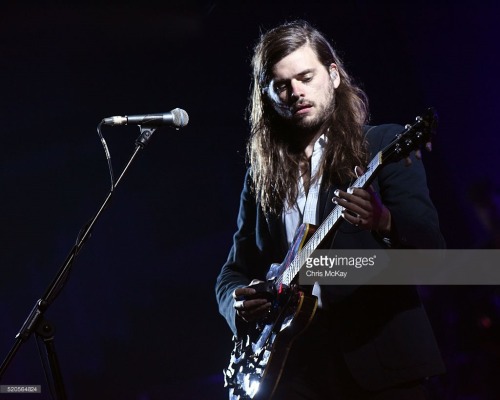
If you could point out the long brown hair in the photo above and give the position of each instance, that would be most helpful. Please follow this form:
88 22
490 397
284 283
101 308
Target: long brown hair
274 163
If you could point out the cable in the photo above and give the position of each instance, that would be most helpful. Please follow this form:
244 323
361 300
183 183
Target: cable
108 156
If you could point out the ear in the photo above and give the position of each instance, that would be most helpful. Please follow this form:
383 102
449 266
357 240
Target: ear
334 75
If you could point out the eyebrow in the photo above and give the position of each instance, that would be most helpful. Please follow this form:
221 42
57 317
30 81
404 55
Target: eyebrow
300 74
307 71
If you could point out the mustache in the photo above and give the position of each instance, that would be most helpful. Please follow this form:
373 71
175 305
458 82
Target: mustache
301 103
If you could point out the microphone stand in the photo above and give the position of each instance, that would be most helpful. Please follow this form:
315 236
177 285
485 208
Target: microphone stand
36 322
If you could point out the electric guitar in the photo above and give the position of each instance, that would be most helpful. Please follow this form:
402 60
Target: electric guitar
258 358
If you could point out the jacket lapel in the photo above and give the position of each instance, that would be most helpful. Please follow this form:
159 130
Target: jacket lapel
276 231
325 205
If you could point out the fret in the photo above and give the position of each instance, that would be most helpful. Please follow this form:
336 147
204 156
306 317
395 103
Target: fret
399 148
322 231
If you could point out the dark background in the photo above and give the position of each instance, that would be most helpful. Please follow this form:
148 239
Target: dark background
137 318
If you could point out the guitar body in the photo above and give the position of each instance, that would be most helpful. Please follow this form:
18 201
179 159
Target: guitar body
258 358
292 327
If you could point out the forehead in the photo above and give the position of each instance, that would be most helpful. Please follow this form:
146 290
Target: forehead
300 60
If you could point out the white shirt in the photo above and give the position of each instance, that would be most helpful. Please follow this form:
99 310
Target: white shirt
304 209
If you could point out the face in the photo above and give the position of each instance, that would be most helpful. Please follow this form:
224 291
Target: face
301 89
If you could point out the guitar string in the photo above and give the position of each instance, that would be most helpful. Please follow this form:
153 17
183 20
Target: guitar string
300 258
289 274
320 234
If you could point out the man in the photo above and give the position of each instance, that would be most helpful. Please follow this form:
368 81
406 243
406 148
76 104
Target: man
308 142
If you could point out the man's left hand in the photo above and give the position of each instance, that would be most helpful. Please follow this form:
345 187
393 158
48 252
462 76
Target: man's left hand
363 208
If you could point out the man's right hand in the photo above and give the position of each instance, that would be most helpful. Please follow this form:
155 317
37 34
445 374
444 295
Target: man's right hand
253 309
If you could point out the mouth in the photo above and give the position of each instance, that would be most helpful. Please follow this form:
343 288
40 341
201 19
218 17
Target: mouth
302 109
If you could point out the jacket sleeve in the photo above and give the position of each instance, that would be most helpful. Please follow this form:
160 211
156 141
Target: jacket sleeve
246 260
403 190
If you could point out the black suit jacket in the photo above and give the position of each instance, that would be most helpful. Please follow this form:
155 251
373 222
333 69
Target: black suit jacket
382 332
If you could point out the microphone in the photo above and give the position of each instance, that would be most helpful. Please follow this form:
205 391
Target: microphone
177 118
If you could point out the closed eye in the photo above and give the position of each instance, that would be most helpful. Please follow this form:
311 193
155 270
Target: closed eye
280 87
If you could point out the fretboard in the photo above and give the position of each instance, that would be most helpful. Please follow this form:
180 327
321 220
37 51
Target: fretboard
331 221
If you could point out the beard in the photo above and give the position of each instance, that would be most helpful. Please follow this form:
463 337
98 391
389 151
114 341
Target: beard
315 123
302 129
297 133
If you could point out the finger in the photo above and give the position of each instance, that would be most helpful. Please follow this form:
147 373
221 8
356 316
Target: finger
248 305
352 212
358 171
418 154
252 315
261 309
371 191
254 303
374 197
353 194
244 291
407 161
355 220
358 192
358 204
239 305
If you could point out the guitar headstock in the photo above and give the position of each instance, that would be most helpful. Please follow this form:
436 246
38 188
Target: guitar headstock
412 138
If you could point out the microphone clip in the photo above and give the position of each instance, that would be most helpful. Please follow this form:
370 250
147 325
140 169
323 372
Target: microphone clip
145 136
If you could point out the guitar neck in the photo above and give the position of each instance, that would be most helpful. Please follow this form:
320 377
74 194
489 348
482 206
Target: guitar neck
331 221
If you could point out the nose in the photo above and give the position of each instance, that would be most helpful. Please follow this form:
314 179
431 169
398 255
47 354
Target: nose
297 89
